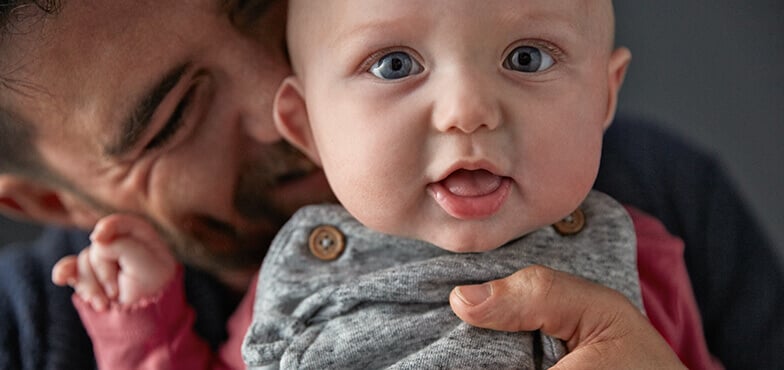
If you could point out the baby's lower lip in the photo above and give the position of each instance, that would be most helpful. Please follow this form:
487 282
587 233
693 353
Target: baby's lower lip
471 207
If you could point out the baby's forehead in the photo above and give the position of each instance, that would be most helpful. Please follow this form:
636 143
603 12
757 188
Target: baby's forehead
327 22
317 14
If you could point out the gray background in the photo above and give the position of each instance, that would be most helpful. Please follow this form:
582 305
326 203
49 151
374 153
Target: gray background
713 71
710 70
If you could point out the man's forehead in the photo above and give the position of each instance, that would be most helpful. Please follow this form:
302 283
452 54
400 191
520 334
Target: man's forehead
78 72
67 48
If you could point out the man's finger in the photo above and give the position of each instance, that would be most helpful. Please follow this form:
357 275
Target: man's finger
598 324
540 298
535 298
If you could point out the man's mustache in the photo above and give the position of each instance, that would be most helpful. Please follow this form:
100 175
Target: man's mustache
257 177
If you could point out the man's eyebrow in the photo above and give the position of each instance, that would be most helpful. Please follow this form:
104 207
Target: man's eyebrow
136 123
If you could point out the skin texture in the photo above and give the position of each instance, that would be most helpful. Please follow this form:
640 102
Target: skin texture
403 155
222 184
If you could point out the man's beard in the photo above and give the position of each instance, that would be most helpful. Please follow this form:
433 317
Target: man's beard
246 253
230 247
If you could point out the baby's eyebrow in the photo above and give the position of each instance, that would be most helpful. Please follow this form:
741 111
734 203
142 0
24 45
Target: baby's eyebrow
359 29
543 19
138 120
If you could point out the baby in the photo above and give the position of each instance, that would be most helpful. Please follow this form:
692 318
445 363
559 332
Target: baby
462 124
443 126
466 124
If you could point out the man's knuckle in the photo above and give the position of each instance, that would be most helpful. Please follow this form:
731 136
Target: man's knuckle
540 281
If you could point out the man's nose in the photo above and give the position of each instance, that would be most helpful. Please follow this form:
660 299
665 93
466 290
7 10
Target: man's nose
466 102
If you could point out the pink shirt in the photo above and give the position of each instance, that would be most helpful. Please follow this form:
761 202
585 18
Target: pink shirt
157 334
667 293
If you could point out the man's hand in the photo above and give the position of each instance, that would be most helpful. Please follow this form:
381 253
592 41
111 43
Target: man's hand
126 263
602 329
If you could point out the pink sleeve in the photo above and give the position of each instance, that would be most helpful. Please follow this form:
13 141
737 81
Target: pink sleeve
667 292
155 334
239 322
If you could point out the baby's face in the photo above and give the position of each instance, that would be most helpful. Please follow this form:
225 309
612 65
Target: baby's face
461 122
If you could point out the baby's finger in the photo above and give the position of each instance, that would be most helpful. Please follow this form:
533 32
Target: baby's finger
139 231
65 271
124 225
87 285
104 262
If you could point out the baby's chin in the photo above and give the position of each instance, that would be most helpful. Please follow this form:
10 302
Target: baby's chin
456 243
456 236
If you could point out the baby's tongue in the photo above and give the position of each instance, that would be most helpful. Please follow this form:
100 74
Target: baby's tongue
472 183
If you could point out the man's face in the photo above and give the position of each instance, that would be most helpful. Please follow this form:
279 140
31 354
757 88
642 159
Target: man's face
162 108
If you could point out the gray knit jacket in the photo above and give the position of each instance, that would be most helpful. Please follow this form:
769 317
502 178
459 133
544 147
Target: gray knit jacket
383 303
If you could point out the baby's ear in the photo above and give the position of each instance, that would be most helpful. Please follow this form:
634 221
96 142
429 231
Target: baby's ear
616 72
291 117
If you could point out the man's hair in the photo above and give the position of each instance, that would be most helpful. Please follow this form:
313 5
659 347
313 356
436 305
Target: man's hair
18 155
12 10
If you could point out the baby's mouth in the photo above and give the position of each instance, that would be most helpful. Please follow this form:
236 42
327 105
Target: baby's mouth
472 183
471 194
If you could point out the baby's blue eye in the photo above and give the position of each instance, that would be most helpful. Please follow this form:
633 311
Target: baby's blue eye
395 65
528 59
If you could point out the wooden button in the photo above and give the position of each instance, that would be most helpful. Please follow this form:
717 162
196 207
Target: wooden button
572 224
326 242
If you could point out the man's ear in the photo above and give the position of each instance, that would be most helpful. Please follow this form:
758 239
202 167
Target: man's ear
27 200
291 118
616 72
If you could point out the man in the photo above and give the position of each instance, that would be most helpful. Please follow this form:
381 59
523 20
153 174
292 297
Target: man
162 108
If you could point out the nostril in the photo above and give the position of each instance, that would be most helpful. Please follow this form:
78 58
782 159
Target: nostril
471 127
468 116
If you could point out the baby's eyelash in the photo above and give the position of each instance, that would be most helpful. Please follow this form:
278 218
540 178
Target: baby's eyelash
374 57
555 52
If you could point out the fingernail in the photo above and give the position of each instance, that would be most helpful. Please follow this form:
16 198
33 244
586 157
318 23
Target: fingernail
473 295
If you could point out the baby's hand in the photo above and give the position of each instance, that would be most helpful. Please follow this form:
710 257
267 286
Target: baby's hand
126 263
